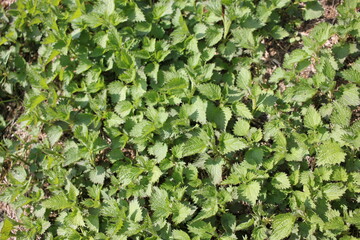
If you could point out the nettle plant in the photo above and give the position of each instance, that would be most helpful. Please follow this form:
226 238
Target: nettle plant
180 119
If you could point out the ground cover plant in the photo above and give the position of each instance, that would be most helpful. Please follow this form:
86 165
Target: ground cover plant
180 119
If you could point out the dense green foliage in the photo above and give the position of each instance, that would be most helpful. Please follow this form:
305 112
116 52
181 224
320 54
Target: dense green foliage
180 119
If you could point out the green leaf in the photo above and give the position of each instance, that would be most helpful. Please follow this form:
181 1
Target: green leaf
282 226
240 109
330 153
159 150
280 181
175 86
334 191
128 174
57 202
159 202
278 32
19 174
214 168
350 95
213 35
180 235
7 226
200 30
249 192
219 116
351 75
254 156
199 107
229 143
312 118
54 133
228 221
322 32
35 101
210 90
241 128
193 146
135 211
341 115
123 108
294 58
204 230
97 175
244 79
74 219
117 91
313 10
180 212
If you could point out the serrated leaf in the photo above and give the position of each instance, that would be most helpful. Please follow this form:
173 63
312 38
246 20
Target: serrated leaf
199 110
117 91
312 118
54 133
350 95
159 202
214 168
202 229
180 212
313 10
138 14
213 35
249 192
295 57
210 90
7 226
193 146
74 219
322 32
330 153
254 156
282 226
57 202
97 175
180 235
281 181
241 128
240 109
228 221
135 211
244 79
340 115
278 32
200 30
334 191
176 85
351 75
229 143
159 150
123 108
142 129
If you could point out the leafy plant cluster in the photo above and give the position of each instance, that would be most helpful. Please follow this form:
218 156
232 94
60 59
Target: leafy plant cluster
171 119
